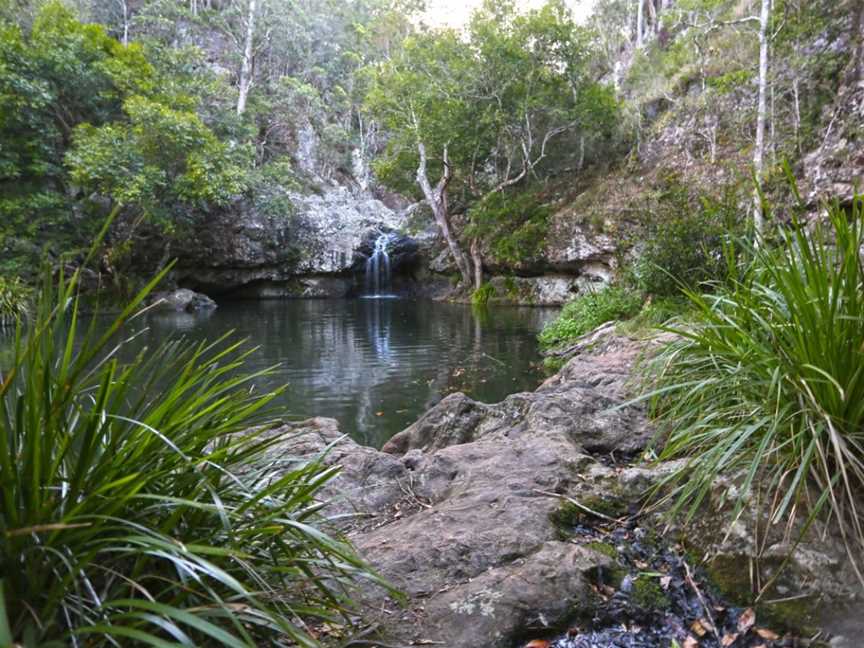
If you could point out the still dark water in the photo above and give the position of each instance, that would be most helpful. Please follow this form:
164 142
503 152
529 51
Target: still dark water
374 364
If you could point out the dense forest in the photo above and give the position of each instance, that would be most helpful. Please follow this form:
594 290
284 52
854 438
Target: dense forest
682 177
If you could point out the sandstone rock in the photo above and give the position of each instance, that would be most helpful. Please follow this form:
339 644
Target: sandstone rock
460 512
463 510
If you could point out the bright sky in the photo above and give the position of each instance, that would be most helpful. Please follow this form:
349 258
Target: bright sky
455 13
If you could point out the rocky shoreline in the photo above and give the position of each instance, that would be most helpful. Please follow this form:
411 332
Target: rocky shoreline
522 522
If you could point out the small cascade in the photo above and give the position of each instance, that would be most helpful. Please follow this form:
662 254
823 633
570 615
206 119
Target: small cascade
378 268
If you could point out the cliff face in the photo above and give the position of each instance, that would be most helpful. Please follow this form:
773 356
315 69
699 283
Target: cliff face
316 250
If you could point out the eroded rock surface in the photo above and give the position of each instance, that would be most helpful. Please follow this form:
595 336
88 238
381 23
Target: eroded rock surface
470 510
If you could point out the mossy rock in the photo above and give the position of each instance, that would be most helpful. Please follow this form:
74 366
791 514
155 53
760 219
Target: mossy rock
648 595
798 616
604 548
569 515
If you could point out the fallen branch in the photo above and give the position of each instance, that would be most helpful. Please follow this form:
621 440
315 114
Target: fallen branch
702 601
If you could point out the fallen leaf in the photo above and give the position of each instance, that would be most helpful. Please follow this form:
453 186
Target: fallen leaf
698 628
765 633
538 643
746 620
728 639
665 582
690 642
379 413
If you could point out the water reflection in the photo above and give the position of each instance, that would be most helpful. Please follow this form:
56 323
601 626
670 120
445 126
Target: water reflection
373 364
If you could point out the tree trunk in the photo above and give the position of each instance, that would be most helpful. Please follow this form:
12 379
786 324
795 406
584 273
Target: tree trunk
246 66
580 164
437 199
652 16
761 118
640 20
477 261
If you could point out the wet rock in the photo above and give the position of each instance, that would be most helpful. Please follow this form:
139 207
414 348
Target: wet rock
402 250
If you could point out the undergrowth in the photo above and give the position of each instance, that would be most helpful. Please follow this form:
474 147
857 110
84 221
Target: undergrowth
588 311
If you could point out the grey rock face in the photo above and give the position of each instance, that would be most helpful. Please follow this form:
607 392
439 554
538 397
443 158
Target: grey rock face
545 290
835 170
324 237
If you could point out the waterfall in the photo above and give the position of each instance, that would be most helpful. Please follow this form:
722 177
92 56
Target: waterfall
378 268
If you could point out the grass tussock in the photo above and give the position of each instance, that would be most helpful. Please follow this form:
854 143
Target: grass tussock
766 382
136 507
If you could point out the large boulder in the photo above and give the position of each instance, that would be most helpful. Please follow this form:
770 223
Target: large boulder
460 510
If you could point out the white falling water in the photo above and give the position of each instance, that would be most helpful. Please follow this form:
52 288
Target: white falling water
378 268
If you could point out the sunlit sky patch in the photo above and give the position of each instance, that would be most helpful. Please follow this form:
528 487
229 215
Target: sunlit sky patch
455 13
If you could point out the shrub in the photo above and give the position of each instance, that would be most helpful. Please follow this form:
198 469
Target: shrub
767 382
683 244
136 505
588 311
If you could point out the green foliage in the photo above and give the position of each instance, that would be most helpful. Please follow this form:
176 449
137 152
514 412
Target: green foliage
656 312
158 158
730 81
587 312
482 295
83 115
764 383
684 238
139 502
514 226
499 101
14 300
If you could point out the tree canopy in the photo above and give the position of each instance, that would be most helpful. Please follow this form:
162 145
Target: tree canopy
484 111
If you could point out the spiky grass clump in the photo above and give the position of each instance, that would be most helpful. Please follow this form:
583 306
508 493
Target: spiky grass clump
135 506
767 382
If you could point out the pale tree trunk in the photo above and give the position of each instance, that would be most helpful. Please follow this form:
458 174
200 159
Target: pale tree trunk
761 118
246 66
477 261
437 199
652 15
640 20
